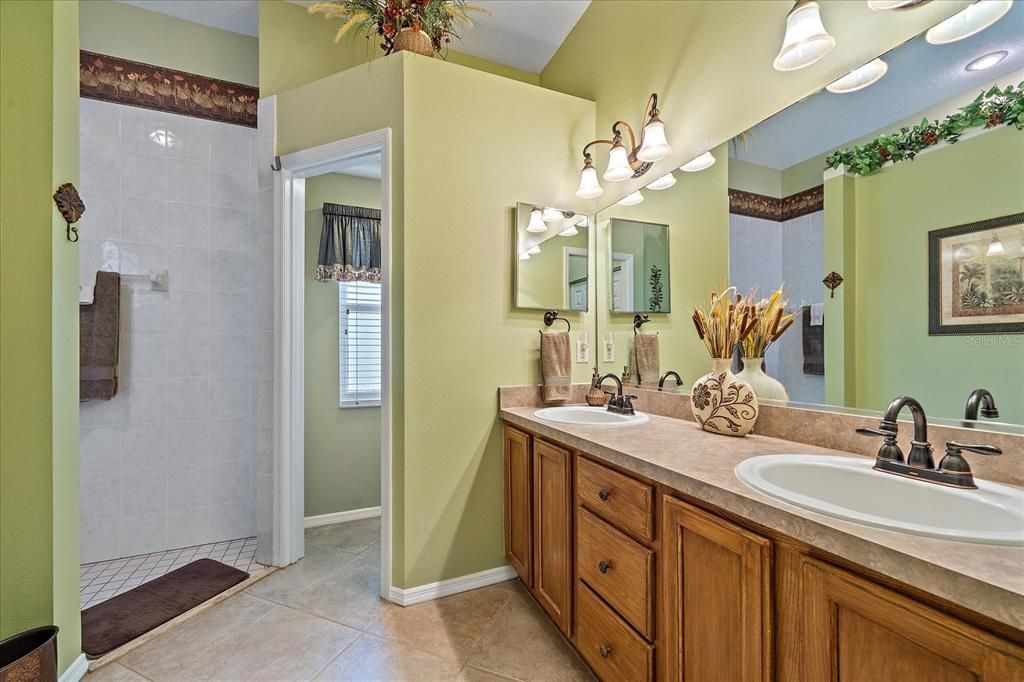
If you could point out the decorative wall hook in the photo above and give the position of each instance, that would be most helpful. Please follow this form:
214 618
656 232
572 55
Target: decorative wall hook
276 166
832 281
71 207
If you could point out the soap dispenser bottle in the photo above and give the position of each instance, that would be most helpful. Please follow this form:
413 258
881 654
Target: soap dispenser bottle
595 396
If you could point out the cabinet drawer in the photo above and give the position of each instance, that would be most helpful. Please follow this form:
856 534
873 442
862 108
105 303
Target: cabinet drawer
618 498
607 644
618 568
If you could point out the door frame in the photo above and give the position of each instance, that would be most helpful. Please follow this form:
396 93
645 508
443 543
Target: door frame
289 346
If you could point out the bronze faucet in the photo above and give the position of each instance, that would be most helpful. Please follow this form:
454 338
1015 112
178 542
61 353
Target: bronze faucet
980 398
666 375
617 402
953 470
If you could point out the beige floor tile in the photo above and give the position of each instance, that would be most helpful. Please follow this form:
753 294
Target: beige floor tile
522 643
162 657
372 658
318 563
448 627
350 595
114 672
471 674
352 536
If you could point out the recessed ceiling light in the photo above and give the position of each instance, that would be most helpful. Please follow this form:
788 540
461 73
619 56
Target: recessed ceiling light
972 19
987 61
859 78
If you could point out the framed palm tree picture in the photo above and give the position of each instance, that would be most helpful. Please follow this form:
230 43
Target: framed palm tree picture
976 277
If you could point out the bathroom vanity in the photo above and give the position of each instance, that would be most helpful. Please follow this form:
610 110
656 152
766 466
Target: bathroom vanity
656 562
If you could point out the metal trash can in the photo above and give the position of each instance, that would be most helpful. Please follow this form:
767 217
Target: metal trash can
30 656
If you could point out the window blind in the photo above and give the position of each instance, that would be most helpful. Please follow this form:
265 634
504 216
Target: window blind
359 317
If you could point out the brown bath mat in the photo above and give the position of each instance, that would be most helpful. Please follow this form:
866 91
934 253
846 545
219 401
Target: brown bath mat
121 619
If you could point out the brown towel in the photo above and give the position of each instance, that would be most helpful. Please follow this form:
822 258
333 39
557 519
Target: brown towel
556 366
646 359
814 344
98 324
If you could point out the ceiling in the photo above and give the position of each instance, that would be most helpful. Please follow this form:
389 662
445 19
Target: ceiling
366 166
920 76
524 34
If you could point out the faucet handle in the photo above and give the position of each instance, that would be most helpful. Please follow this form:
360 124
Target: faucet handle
864 431
954 447
889 450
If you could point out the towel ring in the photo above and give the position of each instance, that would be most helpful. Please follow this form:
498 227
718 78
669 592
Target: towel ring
639 321
552 315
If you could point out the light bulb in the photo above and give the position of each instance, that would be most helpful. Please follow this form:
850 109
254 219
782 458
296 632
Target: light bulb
986 61
970 20
589 187
618 164
524 256
806 39
859 78
705 160
536 221
664 182
995 247
655 146
570 231
533 250
551 215
631 199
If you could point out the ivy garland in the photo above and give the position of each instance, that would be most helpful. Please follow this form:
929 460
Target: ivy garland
995 107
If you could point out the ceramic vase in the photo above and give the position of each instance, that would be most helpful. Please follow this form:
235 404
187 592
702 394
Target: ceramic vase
722 402
765 387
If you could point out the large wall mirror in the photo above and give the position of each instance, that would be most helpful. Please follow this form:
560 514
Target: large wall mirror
929 246
552 257
639 267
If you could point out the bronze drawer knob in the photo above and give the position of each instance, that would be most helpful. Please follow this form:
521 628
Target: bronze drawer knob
603 566
603 494
604 650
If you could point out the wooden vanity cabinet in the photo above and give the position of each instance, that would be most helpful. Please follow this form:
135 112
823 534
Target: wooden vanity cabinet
518 467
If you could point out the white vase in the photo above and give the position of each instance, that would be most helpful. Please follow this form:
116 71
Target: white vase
722 402
766 387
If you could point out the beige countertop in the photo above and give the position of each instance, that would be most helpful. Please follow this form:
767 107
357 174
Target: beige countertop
986 579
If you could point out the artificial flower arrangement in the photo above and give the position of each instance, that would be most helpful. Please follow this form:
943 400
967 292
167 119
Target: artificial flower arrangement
770 322
727 321
438 20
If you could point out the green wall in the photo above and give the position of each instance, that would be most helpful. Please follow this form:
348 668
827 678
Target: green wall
296 48
977 178
342 445
39 323
140 35
542 281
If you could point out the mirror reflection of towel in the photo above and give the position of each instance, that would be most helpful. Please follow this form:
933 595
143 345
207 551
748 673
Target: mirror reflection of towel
556 366
98 325
814 343
646 359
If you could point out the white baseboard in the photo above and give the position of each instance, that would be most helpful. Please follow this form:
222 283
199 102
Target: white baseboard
341 517
415 595
76 670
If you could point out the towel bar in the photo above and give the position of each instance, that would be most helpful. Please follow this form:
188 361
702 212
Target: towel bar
552 315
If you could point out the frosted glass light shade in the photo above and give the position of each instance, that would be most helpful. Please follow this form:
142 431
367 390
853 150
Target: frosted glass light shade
968 21
806 39
859 78
551 215
589 187
533 250
664 182
631 199
582 221
995 247
618 165
536 221
655 146
986 61
702 162
882 5
570 231
524 256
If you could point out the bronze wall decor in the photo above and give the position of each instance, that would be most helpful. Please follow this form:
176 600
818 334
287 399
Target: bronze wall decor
112 79
773 208
832 281
71 207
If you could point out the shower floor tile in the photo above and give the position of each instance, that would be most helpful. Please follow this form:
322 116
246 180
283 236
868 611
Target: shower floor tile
105 579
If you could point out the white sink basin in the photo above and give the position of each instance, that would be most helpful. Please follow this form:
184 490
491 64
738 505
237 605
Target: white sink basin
848 488
588 416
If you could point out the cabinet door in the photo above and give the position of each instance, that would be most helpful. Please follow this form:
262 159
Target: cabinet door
716 598
857 631
552 531
519 504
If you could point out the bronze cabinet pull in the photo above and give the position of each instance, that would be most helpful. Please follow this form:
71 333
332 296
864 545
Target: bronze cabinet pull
603 494
604 650
603 566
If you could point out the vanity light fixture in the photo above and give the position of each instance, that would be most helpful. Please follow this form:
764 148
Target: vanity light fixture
525 255
882 5
806 39
974 18
859 78
533 250
570 231
582 221
631 199
986 61
623 162
537 221
702 162
664 182
995 247
550 215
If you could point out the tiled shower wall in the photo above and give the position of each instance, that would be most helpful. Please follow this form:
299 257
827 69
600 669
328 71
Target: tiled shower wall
171 460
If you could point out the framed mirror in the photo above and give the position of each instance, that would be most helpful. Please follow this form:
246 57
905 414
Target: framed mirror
899 253
551 258
638 267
